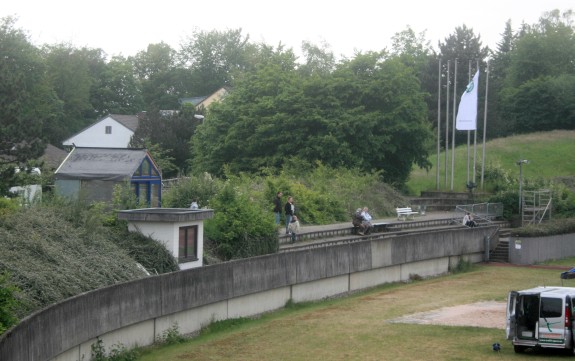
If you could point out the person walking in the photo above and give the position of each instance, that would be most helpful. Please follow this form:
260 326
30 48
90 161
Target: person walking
294 228
278 207
289 210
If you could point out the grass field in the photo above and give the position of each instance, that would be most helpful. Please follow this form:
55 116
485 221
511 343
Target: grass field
550 155
357 327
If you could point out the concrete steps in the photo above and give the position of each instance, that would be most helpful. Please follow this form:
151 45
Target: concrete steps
501 253
442 201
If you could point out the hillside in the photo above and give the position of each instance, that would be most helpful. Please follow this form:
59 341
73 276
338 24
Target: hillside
55 251
551 155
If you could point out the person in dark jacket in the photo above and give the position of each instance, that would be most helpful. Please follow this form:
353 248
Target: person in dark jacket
278 207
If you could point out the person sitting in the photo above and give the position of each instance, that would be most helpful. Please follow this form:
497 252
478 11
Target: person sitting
468 220
357 221
194 205
366 220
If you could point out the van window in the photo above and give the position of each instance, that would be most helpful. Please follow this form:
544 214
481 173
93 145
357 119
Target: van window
551 307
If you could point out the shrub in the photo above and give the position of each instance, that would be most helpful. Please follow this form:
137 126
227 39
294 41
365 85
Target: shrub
8 205
239 228
117 352
172 336
202 188
8 303
548 228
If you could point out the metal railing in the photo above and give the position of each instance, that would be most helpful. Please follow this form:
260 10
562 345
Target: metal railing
481 211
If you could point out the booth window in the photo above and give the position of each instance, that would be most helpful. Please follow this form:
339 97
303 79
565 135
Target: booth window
188 243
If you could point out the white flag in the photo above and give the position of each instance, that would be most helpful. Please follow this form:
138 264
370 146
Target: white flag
467 112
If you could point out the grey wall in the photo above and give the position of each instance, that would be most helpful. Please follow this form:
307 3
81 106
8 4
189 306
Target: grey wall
134 313
530 250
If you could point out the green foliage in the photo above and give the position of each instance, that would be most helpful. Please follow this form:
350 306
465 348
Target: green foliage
172 336
239 229
369 113
463 266
116 353
27 102
8 205
58 250
510 200
8 303
548 228
167 136
223 325
201 187
563 200
151 254
498 178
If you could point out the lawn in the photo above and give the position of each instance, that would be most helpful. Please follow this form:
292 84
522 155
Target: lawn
357 327
547 153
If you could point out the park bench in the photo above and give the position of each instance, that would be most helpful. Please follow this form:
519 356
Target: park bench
405 213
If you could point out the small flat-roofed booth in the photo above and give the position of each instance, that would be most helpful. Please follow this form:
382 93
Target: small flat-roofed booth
181 230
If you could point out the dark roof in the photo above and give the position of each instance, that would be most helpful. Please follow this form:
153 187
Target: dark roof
101 163
129 121
53 156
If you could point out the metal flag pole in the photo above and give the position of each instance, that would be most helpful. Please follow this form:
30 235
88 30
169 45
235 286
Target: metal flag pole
484 123
453 130
475 137
468 132
447 124
438 123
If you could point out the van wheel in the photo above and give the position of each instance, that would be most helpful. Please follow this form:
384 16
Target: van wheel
519 349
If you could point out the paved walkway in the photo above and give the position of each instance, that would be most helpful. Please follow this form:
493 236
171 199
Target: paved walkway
314 228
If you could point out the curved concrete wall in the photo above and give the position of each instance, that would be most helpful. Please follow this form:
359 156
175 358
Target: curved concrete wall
136 313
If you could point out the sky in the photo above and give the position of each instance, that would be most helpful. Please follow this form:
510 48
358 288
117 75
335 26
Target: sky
125 27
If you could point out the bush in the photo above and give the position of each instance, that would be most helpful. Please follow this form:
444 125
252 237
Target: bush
55 251
8 303
202 188
549 228
239 228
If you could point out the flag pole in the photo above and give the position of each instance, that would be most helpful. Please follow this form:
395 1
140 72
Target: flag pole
438 124
468 132
447 124
475 138
453 128
484 122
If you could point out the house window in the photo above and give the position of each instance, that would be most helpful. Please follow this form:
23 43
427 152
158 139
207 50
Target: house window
108 129
188 244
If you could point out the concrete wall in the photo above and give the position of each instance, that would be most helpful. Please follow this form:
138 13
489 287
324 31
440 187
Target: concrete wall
530 250
135 313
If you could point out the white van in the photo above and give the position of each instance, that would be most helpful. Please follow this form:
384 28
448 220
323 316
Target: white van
541 317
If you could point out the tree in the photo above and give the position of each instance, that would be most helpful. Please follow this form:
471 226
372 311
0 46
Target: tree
319 59
215 58
169 135
368 114
537 90
117 89
385 123
27 102
543 49
466 48
162 81
498 69
76 75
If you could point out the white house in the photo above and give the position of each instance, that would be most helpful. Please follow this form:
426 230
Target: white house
112 131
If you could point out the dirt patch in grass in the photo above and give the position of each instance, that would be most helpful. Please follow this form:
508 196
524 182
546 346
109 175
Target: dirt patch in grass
489 314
